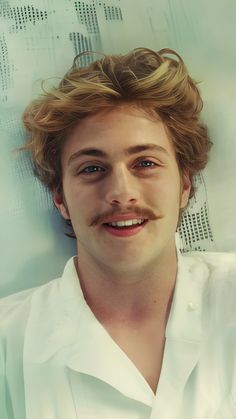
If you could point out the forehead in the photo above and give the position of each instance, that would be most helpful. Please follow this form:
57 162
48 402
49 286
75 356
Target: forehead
117 130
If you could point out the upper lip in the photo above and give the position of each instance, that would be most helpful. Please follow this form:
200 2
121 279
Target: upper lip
123 217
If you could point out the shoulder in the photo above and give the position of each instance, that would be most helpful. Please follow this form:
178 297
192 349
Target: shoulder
218 269
219 289
15 309
220 265
13 304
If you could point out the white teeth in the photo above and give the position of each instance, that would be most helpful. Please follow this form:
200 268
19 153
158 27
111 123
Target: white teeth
125 223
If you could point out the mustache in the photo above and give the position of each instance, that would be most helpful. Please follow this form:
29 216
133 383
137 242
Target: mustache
142 213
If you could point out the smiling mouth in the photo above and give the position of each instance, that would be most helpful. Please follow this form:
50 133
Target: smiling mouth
125 227
124 231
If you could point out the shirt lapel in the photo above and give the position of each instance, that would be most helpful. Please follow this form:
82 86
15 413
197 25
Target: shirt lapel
183 336
62 327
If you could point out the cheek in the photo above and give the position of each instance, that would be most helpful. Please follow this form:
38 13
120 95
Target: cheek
160 187
81 203
163 193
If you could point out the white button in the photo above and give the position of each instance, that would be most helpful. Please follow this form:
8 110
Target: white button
191 306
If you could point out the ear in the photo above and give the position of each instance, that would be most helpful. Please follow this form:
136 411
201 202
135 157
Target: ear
60 203
186 188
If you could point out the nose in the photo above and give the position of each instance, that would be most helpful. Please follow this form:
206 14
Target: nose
122 188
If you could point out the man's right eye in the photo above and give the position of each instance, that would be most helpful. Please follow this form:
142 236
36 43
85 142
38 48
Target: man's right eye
91 169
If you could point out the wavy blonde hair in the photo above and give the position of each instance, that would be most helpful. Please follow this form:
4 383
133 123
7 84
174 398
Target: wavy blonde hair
153 81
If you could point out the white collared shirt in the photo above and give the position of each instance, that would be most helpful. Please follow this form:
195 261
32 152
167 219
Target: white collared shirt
58 362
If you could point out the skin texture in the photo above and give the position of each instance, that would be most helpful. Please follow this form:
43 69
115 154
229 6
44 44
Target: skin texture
128 282
119 185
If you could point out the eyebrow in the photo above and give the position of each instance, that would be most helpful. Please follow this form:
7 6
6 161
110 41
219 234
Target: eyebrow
95 152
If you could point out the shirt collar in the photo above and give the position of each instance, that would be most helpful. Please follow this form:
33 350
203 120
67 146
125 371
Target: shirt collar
184 321
61 324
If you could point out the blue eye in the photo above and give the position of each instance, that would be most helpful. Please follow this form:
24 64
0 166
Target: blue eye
88 171
148 161
93 169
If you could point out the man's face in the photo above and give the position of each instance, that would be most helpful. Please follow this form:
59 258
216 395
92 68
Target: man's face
113 180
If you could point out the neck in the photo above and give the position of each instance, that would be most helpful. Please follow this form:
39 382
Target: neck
134 298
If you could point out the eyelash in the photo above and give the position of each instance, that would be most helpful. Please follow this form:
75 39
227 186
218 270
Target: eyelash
96 171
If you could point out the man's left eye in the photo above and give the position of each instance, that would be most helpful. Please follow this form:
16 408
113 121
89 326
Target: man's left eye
148 163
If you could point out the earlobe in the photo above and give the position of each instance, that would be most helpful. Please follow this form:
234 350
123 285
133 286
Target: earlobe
60 205
186 188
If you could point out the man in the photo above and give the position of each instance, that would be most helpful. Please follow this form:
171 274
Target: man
132 329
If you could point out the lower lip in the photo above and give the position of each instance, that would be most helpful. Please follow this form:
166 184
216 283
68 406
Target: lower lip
125 232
